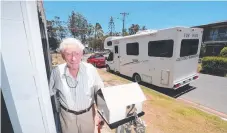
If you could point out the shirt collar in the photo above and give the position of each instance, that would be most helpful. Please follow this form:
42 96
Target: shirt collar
66 71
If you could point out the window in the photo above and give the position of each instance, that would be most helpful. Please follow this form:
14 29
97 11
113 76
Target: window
222 34
109 43
132 48
222 30
189 47
98 55
163 48
213 34
91 57
110 57
116 49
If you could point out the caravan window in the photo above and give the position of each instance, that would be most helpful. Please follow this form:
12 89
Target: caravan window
116 49
189 47
132 48
163 48
109 43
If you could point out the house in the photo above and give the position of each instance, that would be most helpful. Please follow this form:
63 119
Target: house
25 97
214 37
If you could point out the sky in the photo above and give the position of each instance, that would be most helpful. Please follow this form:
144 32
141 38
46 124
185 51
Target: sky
153 15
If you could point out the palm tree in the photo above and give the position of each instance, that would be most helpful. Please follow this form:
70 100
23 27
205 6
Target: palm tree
133 29
136 28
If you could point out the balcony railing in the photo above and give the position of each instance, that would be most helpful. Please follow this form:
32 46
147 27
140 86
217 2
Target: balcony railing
218 37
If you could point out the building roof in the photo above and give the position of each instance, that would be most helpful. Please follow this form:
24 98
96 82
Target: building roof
219 23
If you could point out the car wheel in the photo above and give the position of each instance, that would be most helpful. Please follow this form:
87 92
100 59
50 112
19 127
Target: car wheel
137 78
94 64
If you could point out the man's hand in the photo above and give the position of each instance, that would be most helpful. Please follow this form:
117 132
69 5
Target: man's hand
99 121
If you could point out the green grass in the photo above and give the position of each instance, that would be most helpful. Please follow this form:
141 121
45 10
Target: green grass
179 110
184 110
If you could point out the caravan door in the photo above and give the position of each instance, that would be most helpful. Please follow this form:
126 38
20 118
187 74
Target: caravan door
116 59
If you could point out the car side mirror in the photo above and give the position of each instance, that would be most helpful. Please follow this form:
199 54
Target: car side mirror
106 58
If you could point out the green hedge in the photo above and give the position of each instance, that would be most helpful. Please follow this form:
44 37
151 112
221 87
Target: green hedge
223 52
215 65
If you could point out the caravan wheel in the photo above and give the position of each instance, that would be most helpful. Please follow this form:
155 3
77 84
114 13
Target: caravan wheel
107 68
137 78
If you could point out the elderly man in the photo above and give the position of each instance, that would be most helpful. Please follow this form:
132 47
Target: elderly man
76 82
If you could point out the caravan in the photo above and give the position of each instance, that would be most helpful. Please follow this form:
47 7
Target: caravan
166 58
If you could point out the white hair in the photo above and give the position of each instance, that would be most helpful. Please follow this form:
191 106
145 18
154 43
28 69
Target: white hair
71 41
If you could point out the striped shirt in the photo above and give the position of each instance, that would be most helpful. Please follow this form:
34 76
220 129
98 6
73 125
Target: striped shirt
87 83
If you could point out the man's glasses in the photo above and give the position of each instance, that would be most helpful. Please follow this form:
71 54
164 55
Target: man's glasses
70 55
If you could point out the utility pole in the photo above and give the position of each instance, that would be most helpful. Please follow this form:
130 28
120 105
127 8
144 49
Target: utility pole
123 20
95 37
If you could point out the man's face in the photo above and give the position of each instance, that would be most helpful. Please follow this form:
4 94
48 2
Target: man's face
72 55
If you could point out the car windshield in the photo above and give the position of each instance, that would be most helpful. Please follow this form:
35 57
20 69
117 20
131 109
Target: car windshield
96 56
92 56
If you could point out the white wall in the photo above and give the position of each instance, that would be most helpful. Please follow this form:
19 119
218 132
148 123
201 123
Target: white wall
24 82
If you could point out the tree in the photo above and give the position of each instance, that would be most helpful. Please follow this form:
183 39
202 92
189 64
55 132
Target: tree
117 34
52 35
98 30
98 36
223 52
96 40
59 25
90 30
77 25
133 29
56 31
125 32
143 28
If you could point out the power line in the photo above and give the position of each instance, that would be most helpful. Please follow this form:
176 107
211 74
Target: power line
124 14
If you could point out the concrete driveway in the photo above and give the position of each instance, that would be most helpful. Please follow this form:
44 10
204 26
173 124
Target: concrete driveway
209 91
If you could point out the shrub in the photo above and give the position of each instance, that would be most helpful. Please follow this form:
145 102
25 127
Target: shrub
215 65
223 52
